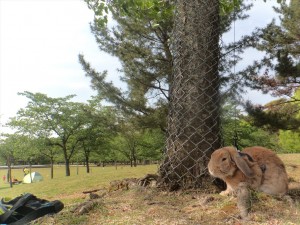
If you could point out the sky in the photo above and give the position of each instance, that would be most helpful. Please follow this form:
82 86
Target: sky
40 41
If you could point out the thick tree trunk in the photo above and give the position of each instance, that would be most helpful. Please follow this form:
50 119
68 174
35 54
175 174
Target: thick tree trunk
193 121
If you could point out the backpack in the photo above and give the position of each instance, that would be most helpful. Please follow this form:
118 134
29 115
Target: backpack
25 208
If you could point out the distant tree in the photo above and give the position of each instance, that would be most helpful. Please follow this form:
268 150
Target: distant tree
277 115
236 125
49 151
57 120
127 141
281 116
23 147
99 128
289 140
134 143
12 148
249 135
151 144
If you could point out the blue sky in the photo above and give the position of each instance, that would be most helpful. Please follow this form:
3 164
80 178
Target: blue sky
40 41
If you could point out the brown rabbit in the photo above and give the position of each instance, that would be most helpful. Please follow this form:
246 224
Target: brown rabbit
258 167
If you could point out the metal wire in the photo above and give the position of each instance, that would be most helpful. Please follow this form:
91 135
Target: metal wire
193 121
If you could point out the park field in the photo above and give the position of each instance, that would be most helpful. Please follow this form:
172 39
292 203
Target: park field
149 205
62 186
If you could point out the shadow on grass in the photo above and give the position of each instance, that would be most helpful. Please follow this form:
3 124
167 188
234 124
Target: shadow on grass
294 191
3 188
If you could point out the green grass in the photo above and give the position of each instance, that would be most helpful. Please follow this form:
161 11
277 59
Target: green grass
99 177
292 158
149 205
62 186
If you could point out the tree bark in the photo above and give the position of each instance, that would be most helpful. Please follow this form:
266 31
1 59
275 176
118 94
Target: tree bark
68 173
193 120
67 160
9 178
87 164
51 167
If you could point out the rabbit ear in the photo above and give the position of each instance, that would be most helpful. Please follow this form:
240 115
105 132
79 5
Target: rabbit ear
243 165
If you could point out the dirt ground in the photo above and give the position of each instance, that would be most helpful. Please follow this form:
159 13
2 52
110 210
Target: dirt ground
149 206
139 205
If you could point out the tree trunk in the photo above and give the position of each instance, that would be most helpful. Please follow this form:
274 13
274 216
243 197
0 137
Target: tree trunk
193 120
67 160
134 158
87 164
52 170
131 162
9 178
68 173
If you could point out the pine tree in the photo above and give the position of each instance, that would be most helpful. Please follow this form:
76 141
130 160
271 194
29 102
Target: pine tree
281 77
167 74
141 41
140 37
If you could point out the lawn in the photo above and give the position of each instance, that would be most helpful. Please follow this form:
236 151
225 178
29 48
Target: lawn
149 205
62 186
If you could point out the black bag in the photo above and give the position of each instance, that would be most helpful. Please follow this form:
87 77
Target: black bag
25 208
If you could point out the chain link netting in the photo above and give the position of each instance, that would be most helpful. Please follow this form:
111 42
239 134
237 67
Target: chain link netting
193 120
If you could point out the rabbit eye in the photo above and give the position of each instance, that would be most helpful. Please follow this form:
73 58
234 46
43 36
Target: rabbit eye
224 159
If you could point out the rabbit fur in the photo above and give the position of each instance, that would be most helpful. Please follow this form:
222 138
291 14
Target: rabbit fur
260 168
